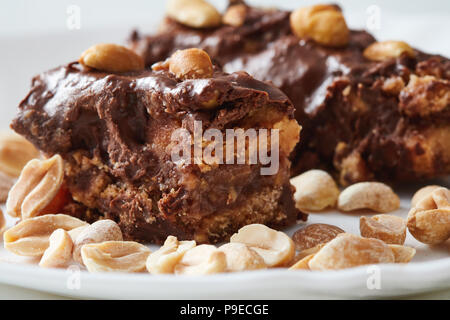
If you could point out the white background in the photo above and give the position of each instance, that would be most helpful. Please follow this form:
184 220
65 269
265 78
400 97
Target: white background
34 37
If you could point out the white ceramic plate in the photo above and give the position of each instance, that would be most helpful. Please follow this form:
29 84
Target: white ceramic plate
27 55
428 271
274 284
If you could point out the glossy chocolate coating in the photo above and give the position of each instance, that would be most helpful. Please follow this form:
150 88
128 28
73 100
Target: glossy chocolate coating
114 133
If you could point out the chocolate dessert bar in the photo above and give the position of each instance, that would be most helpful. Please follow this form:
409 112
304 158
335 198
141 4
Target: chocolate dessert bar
369 110
115 132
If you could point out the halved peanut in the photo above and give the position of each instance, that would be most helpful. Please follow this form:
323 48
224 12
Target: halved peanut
201 260
390 229
235 15
314 235
275 247
368 195
241 258
325 24
431 226
315 190
347 251
379 51
194 13
99 231
38 184
115 256
429 220
402 254
31 237
191 64
15 152
168 256
59 252
111 58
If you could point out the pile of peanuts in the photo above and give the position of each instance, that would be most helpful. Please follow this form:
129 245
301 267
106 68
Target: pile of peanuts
325 247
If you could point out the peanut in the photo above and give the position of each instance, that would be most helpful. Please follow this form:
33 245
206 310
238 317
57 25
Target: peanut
38 184
111 58
315 190
275 247
325 24
380 51
31 237
235 15
194 13
393 85
74 233
99 231
424 97
59 252
421 193
115 256
368 195
191 64
289 134
168 256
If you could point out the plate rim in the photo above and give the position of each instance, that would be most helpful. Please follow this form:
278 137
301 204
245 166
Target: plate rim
427 276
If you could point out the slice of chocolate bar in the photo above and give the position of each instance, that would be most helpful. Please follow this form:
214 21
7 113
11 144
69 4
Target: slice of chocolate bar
149 149
369 110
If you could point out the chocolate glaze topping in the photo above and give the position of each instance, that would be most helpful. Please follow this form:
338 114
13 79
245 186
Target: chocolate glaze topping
78 100
114 131
314 78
